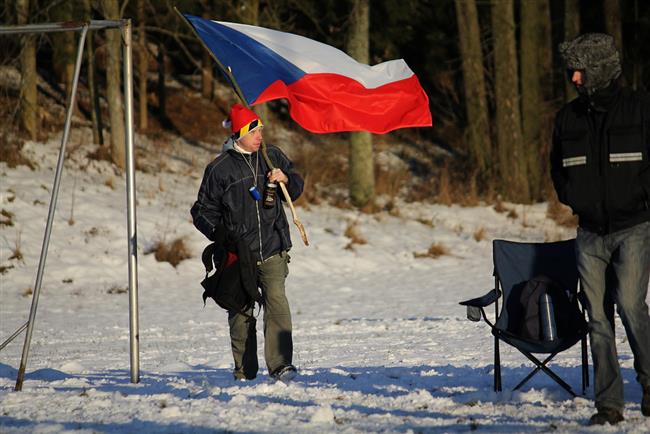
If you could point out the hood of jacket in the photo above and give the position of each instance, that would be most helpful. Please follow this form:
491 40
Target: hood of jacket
594 54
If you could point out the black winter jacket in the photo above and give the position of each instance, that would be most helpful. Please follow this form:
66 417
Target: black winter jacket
600 162
225 209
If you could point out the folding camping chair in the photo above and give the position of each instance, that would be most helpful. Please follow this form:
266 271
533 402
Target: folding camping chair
514 265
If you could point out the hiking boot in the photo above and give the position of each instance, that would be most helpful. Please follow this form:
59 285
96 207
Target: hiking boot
240 376
285 373
606 415
645 401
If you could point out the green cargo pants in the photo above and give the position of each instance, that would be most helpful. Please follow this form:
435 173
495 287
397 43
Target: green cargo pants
278 343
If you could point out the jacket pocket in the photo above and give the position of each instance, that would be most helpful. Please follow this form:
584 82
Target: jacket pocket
626 156
576 163
626 147
574 150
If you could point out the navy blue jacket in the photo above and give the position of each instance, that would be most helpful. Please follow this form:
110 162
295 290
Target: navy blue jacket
225 209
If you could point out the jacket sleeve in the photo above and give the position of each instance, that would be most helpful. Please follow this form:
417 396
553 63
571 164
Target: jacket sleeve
296 183
207 210
558 174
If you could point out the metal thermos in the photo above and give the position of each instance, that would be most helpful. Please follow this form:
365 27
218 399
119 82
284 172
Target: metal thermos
547 317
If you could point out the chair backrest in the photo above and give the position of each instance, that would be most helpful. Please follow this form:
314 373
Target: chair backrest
515 263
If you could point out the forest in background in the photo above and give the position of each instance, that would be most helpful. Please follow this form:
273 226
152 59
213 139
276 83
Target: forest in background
490 67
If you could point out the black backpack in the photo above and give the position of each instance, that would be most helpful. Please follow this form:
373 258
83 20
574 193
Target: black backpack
233 285
566 312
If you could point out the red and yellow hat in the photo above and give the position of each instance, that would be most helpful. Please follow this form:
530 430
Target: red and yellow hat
242 121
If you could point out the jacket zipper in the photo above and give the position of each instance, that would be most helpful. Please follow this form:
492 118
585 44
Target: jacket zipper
259 221
598 127
259 227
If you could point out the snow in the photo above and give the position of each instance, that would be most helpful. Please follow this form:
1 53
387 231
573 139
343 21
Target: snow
380 341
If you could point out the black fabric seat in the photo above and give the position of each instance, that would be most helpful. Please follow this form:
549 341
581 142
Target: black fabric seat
514 265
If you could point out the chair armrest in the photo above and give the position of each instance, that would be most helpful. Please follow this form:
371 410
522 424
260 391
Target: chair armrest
483 301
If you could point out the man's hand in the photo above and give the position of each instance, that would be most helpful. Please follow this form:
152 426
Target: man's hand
277 175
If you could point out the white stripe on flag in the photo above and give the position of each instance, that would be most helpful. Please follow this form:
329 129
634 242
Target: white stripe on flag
315 57
574 161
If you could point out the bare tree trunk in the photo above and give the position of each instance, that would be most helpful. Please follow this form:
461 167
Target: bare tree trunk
480 144
636 67
571 30
512 161
612 12
28 91
113 82
249 12
208 84
64 47
95 109
162 110
207 77
362 177
545 49
531 92
548 92
143 67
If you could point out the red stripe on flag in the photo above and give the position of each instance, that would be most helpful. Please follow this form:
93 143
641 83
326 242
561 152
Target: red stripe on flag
328 103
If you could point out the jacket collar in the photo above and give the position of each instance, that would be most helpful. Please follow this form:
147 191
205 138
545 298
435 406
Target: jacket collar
603 99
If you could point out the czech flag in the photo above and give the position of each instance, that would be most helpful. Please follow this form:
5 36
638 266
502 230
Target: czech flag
327 90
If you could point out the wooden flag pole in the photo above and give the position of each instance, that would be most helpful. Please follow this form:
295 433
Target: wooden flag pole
228 72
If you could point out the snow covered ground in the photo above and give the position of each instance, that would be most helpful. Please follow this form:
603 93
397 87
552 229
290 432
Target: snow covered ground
380 340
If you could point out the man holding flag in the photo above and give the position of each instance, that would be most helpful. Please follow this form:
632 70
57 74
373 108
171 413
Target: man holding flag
230 207
327 91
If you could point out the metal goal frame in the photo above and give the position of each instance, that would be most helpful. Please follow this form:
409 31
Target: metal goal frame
83 27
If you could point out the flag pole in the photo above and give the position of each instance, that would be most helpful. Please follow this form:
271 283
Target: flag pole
228 72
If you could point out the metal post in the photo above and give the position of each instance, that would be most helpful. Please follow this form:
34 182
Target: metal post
130 203
16 333
50 215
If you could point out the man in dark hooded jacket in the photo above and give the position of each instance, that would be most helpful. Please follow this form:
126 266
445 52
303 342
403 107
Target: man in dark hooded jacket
600 168
230 207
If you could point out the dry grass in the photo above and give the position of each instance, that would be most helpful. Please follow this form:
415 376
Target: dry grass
480 234
561 214
6 218
390 182
352 232
450 185
426 222
16 252
322 168
512 214
435 251
10 153
115 289
110 183
102 153
499 206
173 252
4 269
444 195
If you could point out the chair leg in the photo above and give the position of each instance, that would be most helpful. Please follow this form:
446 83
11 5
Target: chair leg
497 366
548 372
533 372
585 366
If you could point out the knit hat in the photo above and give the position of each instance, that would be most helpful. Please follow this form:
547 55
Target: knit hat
594 54
242 121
